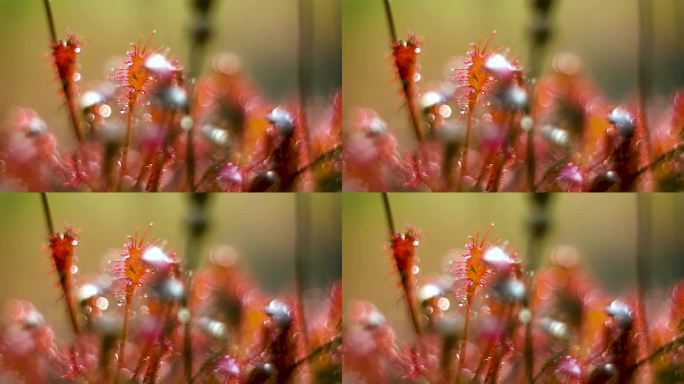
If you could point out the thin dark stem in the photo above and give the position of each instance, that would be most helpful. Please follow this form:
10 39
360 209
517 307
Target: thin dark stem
388 214
549 171
548 364
405 83
51 21
335 341
403 275
304 68
659 351
390 21
211 171
644 55
71 105
323 157
207 363
71 309
678 149
47 213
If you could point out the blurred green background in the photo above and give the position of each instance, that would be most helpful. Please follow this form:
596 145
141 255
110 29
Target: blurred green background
603 227
261 227
263 33
602 33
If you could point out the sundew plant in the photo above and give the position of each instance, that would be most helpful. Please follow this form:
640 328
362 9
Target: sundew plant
156 123
492 315
155 314
498 122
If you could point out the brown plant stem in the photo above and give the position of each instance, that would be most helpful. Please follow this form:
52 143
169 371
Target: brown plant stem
215 167
548 364
335 341
47 213
555 167
659 351
413 313
71 308
207 363
71 104
405 83
677 150
388 214
323 157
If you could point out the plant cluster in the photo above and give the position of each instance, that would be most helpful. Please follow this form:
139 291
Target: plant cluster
495 125
152 318
155 125
490 317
